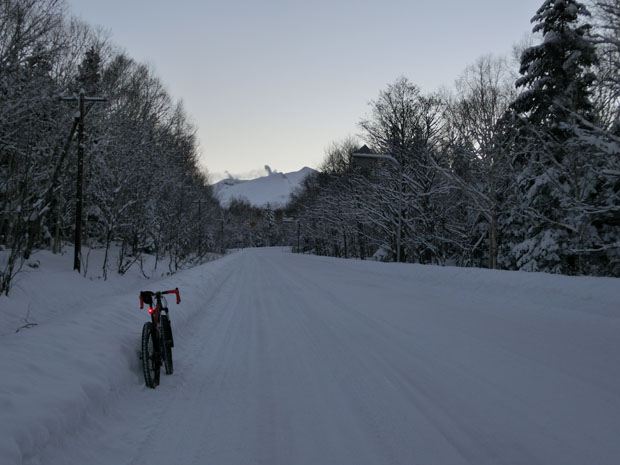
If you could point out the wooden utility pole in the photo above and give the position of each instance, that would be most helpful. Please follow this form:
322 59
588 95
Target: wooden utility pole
80 172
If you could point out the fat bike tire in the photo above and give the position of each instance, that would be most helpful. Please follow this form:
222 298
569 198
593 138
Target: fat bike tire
166 345
150 358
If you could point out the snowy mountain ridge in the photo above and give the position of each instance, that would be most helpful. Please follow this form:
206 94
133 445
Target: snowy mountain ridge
274 190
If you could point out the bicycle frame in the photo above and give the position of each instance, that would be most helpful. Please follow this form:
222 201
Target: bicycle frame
147 297
155 312
158 334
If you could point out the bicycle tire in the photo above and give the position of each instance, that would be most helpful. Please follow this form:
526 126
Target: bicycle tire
166 338
150 358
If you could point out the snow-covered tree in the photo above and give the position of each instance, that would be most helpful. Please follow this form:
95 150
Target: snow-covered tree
479 167
606 37
406 125
556 74
29 120
559 168
141 151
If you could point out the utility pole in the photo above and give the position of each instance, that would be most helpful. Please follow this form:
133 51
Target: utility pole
80 171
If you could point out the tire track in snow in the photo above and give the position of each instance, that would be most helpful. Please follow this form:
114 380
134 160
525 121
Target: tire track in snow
304 360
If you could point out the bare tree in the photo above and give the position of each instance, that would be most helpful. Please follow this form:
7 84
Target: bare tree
606 36
481 163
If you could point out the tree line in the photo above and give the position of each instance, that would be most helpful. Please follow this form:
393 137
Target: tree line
143 189
509 170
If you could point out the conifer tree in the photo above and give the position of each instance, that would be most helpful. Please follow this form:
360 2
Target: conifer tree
555 74
553 230
89 71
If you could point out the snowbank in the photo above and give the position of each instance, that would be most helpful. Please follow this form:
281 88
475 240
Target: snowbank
69 344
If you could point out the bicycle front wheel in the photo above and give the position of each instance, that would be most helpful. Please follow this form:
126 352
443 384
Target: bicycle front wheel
166 345
150 357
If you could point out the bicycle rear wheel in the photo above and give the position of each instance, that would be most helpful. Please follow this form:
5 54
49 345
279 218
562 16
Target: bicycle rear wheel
166 344
150 357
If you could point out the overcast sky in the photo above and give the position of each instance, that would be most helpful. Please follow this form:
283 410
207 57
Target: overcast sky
274 82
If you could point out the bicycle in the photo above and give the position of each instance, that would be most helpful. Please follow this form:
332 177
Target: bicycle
157 341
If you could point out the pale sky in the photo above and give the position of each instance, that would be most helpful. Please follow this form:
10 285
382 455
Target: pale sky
274 82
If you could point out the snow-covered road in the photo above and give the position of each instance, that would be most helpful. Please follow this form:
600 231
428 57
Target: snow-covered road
293 359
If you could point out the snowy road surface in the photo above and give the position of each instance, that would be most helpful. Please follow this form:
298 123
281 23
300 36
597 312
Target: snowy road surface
291 359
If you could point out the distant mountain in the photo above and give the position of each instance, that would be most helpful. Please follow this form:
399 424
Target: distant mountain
274 189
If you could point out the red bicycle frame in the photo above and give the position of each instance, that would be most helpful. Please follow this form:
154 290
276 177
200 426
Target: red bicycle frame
154 312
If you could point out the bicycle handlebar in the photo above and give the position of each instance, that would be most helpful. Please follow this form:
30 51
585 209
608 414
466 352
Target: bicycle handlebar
151 294
175 291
